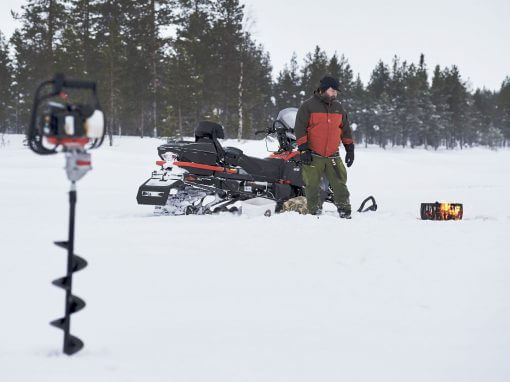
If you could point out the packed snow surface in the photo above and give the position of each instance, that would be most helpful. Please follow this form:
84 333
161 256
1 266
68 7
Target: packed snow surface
382 297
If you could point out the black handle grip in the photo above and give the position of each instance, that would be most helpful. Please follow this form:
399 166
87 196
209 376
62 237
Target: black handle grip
79 84
60 82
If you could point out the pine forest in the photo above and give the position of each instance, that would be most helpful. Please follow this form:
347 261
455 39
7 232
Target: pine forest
163 65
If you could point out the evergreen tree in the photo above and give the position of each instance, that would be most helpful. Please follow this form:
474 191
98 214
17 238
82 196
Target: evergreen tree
417 105
315 67
229 50
341 69
457 100
76 50
381 117
135 94
484 119
427 125
35 45
256 89
503 110
287 87
441 116
144 52
160 14
398 131
5 86
111 60
191 81
410 129
358 113
217 71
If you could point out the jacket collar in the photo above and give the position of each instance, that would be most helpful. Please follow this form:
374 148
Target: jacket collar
321 98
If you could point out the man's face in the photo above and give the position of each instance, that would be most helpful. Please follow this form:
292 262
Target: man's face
331 93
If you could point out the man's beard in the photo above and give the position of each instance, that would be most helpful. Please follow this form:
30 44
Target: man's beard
328 98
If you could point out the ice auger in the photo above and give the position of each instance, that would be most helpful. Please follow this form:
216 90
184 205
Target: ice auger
60 126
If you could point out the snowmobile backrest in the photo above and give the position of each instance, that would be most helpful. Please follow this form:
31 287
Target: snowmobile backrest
211 130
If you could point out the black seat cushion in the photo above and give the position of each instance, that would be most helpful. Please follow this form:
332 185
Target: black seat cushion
265 169
232 155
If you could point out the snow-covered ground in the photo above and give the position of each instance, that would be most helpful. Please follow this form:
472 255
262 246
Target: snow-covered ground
383 297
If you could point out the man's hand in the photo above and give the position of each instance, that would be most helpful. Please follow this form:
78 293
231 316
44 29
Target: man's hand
306 157
349 156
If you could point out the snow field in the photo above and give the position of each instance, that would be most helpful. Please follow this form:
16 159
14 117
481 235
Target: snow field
383 297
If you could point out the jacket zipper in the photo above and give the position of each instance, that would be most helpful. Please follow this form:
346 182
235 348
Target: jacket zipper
327 135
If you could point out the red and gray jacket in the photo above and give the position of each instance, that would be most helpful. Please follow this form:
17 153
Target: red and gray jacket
320 126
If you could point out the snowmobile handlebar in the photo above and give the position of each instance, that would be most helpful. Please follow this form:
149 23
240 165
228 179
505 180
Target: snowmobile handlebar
277 126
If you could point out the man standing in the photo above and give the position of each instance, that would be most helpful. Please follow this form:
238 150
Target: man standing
321 123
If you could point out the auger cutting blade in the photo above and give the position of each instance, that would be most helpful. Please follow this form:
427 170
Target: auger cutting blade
63 282
78 263
59 323
62 244
76 304
72 345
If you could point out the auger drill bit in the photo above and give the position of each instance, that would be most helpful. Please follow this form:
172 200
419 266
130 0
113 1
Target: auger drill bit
73 303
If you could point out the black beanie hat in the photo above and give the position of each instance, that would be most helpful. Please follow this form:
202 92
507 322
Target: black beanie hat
329 82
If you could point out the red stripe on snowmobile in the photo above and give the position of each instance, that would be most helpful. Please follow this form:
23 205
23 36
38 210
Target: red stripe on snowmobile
205 167
83 162
285 156
160 162
67 141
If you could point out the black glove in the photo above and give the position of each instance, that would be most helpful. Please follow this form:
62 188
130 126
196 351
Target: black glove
349 156
306 157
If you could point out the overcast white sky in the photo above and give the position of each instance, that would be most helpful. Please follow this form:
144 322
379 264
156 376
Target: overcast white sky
473 34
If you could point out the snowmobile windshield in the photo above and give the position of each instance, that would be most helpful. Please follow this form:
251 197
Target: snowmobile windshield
288 117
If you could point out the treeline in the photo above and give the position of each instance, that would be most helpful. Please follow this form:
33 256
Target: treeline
160 65
164 65
401 106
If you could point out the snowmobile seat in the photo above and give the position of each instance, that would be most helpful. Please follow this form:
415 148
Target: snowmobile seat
265 168
268 169
232 155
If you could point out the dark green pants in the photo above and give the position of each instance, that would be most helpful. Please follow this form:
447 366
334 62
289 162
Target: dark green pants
336 174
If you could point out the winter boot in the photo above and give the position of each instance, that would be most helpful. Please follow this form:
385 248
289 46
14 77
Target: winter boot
344 214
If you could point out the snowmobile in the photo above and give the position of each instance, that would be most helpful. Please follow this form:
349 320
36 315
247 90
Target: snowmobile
202 176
